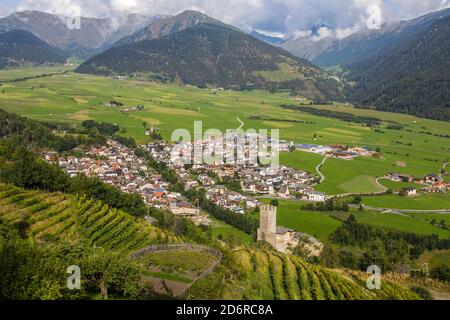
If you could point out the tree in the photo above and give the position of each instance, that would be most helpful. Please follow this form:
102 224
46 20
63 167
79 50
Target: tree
274 202
357 200
376 255
329 257
441 272
112 272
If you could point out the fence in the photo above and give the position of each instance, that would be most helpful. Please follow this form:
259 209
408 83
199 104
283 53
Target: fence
183 247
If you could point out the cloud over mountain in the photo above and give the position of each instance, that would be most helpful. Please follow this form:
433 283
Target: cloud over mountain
288 17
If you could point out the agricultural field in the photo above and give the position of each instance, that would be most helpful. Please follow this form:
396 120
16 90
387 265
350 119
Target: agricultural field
301 160
420 202
322 224
430 217
15 74
72 98
272 276
401 222
56 217
396 186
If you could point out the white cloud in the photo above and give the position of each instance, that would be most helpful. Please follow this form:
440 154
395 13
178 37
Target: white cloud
271 34
287 17
345 32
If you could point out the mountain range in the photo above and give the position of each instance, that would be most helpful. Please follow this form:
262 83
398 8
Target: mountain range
94 36
402 67
19 47
195 49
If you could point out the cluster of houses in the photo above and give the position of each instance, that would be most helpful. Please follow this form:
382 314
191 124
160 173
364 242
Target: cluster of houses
120 167
432 183
337 151
253 180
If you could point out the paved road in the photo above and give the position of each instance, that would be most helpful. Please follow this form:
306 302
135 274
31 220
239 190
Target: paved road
443 211
322 177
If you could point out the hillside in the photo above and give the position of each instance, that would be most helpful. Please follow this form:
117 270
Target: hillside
94 35
401 67
59 218
268 275
211 54
411 79
20 47
56 217
367 44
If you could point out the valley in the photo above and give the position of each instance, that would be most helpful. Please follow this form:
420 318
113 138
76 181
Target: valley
418 148
100 163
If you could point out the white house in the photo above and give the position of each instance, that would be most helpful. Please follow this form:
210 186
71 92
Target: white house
316 196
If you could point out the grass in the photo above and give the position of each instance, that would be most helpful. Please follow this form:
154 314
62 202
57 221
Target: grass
285 72
301 160
317 224
167 276
399 185
13 74
399 222
422 202
180 260
72 98
230 232
322 224
435 258
430 217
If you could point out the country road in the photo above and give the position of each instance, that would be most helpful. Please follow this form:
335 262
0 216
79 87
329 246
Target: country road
242 124
322 177
377 181
443 211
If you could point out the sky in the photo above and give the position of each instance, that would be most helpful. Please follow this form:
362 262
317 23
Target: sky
285 18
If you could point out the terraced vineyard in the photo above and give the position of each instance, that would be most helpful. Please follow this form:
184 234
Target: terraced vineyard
56 216
283 277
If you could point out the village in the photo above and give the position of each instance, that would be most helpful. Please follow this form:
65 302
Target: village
235 186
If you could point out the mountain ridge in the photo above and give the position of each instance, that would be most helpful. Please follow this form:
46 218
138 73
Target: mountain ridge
94 36
213 54
19 47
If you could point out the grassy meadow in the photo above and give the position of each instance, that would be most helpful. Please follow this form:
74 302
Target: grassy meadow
422 202
322 224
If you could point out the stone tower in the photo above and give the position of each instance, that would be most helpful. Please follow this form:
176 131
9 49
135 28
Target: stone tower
267 222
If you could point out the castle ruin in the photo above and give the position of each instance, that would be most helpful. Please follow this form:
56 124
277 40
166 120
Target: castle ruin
283 239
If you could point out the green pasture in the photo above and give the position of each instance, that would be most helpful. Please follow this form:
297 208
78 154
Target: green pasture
317 224
399 185
230 232
421 202
400 222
